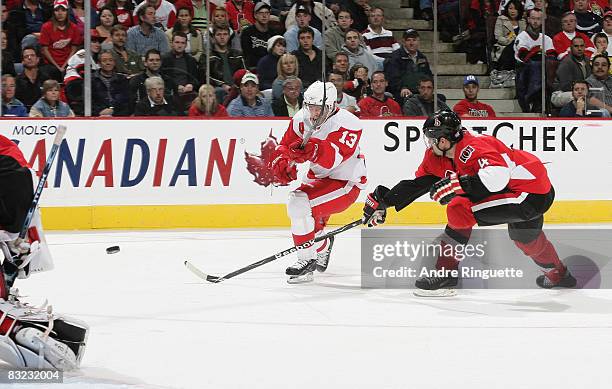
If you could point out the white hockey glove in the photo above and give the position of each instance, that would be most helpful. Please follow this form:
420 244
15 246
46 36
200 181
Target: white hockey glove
19 246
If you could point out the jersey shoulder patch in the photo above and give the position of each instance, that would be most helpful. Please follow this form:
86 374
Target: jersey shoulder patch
466 153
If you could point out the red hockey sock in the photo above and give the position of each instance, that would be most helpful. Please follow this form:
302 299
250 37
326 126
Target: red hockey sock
457 236
446 262
3 286
542 252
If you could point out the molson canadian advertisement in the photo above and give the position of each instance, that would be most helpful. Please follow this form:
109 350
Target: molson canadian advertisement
135 173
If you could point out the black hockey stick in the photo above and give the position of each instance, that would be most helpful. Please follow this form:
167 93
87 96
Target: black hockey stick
274 257
59 136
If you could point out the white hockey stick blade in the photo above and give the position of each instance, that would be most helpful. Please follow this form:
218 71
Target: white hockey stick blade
435 293
199 273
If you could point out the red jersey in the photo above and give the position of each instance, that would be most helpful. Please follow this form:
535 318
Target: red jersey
562 42
124 17
238 18
477 109
339 155
60 42
373 107
497 165
9 153
220 112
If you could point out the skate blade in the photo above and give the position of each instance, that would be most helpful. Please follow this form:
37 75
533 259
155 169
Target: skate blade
435 293
321 269
302 279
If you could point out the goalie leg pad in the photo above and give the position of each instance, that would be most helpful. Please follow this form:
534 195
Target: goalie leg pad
36 338
56 353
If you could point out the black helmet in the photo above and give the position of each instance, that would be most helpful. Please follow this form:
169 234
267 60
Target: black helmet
444 123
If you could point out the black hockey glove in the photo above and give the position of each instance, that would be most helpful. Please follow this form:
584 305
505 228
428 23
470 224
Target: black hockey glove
375 210
446 189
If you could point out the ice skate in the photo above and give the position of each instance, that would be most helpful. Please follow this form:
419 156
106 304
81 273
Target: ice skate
553 279
324 255
301 271
435 283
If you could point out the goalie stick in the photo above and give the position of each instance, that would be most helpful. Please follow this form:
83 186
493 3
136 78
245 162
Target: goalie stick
59 136
274 257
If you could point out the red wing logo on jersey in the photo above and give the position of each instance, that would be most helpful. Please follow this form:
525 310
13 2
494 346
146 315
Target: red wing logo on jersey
466 153
257 165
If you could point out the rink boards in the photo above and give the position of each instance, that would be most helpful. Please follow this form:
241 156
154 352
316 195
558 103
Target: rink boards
164 173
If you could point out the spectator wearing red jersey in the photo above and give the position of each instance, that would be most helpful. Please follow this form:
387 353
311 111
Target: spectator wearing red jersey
59 38
240 13
470 106
206 103
563 40
123 10
379 103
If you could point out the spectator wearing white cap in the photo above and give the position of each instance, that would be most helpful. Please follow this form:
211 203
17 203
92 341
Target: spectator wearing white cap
302 18
266 67
249 103
470 106
254 38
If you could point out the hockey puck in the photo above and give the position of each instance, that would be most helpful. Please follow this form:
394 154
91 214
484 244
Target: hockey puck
112 250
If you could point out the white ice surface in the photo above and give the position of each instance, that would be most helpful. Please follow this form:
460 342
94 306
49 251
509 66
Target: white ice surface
155 325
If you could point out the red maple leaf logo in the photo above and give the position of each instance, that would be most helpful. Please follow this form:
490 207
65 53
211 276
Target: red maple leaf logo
257 165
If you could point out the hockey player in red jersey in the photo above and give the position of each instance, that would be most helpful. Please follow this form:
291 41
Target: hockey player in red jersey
327 137
482 181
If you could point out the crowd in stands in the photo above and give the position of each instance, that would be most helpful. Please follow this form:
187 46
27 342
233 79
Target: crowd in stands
245 58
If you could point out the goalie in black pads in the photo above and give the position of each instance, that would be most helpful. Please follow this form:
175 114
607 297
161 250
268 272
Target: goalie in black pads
30 337
482 181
